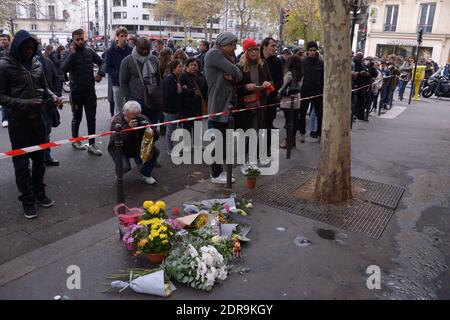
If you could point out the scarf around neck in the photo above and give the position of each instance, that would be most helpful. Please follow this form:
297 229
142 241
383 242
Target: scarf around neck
148 69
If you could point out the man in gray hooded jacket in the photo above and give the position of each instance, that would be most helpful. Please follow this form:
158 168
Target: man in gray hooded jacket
222 75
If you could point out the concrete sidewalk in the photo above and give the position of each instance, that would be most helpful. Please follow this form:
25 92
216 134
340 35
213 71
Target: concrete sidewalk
410 150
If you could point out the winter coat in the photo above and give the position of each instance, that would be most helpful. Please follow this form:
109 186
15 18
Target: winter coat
220 90
131 86
172 97
191 104
20 82
406 70
131 139
313 73
80 65
276 73
244 119
113 59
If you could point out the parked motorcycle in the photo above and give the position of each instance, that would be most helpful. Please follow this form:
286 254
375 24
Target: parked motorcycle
437 84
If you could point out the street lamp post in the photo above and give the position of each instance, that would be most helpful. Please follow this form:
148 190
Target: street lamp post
356 5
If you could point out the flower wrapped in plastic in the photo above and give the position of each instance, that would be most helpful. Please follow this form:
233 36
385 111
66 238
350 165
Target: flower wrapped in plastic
198 267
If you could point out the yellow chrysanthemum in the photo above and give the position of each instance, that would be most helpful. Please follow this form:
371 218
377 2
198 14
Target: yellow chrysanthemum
144 222
161 205
150 237
147 204
142 243
154 209
165 241
163 235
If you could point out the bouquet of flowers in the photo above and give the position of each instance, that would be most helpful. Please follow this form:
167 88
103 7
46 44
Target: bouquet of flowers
149 236
196 264
148 281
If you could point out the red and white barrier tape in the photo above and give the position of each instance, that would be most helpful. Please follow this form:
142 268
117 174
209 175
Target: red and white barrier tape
53 144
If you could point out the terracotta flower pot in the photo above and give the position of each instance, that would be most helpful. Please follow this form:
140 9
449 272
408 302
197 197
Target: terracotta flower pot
156 258
251 182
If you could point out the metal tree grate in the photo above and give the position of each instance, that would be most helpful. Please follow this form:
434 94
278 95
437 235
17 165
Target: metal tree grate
368 215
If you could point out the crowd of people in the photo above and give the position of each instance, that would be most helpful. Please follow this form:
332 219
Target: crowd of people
150 82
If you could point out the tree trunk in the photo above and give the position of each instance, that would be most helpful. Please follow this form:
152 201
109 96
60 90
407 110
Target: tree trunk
334 176
185 32
211 31
206 29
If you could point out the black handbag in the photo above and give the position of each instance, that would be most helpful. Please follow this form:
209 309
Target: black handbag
51 114
293 87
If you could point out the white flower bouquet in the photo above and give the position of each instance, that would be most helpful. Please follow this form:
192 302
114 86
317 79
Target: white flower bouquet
198 266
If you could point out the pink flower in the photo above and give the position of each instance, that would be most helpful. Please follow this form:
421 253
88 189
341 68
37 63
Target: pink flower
227 208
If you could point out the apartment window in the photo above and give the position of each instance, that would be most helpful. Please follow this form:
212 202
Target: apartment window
34 27
391 18
51 12
145 17
117 15
427 11
32 11
147 5
116 3
124 3
124 15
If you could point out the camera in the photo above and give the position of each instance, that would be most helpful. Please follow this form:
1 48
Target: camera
141 121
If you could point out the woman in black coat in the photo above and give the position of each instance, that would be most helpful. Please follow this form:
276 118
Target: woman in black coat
196 93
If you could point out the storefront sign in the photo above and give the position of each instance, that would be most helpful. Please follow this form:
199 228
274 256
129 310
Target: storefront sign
399 42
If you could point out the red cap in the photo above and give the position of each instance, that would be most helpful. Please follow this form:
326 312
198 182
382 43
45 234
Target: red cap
248 43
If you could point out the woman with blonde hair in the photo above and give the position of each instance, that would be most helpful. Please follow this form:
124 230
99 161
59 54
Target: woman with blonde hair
165 58
252 91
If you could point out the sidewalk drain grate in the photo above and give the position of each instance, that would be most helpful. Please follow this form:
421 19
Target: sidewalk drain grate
368 215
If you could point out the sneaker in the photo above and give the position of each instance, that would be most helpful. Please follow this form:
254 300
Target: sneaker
302 138
222 179
52 162
5 124
78 145
147 180
29 210
44 201
94 150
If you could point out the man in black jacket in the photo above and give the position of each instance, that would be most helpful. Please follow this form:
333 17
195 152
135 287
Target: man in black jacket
269 53
80 65
23 91
364 73
313 71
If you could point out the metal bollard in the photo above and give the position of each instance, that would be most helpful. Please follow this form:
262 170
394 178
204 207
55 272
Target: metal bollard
229 165
118 144
290 129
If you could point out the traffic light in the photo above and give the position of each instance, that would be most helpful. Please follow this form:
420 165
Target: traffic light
364 35
284 17
420 36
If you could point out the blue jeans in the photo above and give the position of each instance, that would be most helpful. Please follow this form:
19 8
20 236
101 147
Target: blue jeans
147 167
313 121
4 115
170 128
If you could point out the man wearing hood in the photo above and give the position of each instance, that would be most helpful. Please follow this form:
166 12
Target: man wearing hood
80 65
221 75
23 92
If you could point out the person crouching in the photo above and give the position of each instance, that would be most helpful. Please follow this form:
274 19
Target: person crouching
131 117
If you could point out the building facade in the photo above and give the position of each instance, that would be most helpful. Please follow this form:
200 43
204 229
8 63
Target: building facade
393 26
52 21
